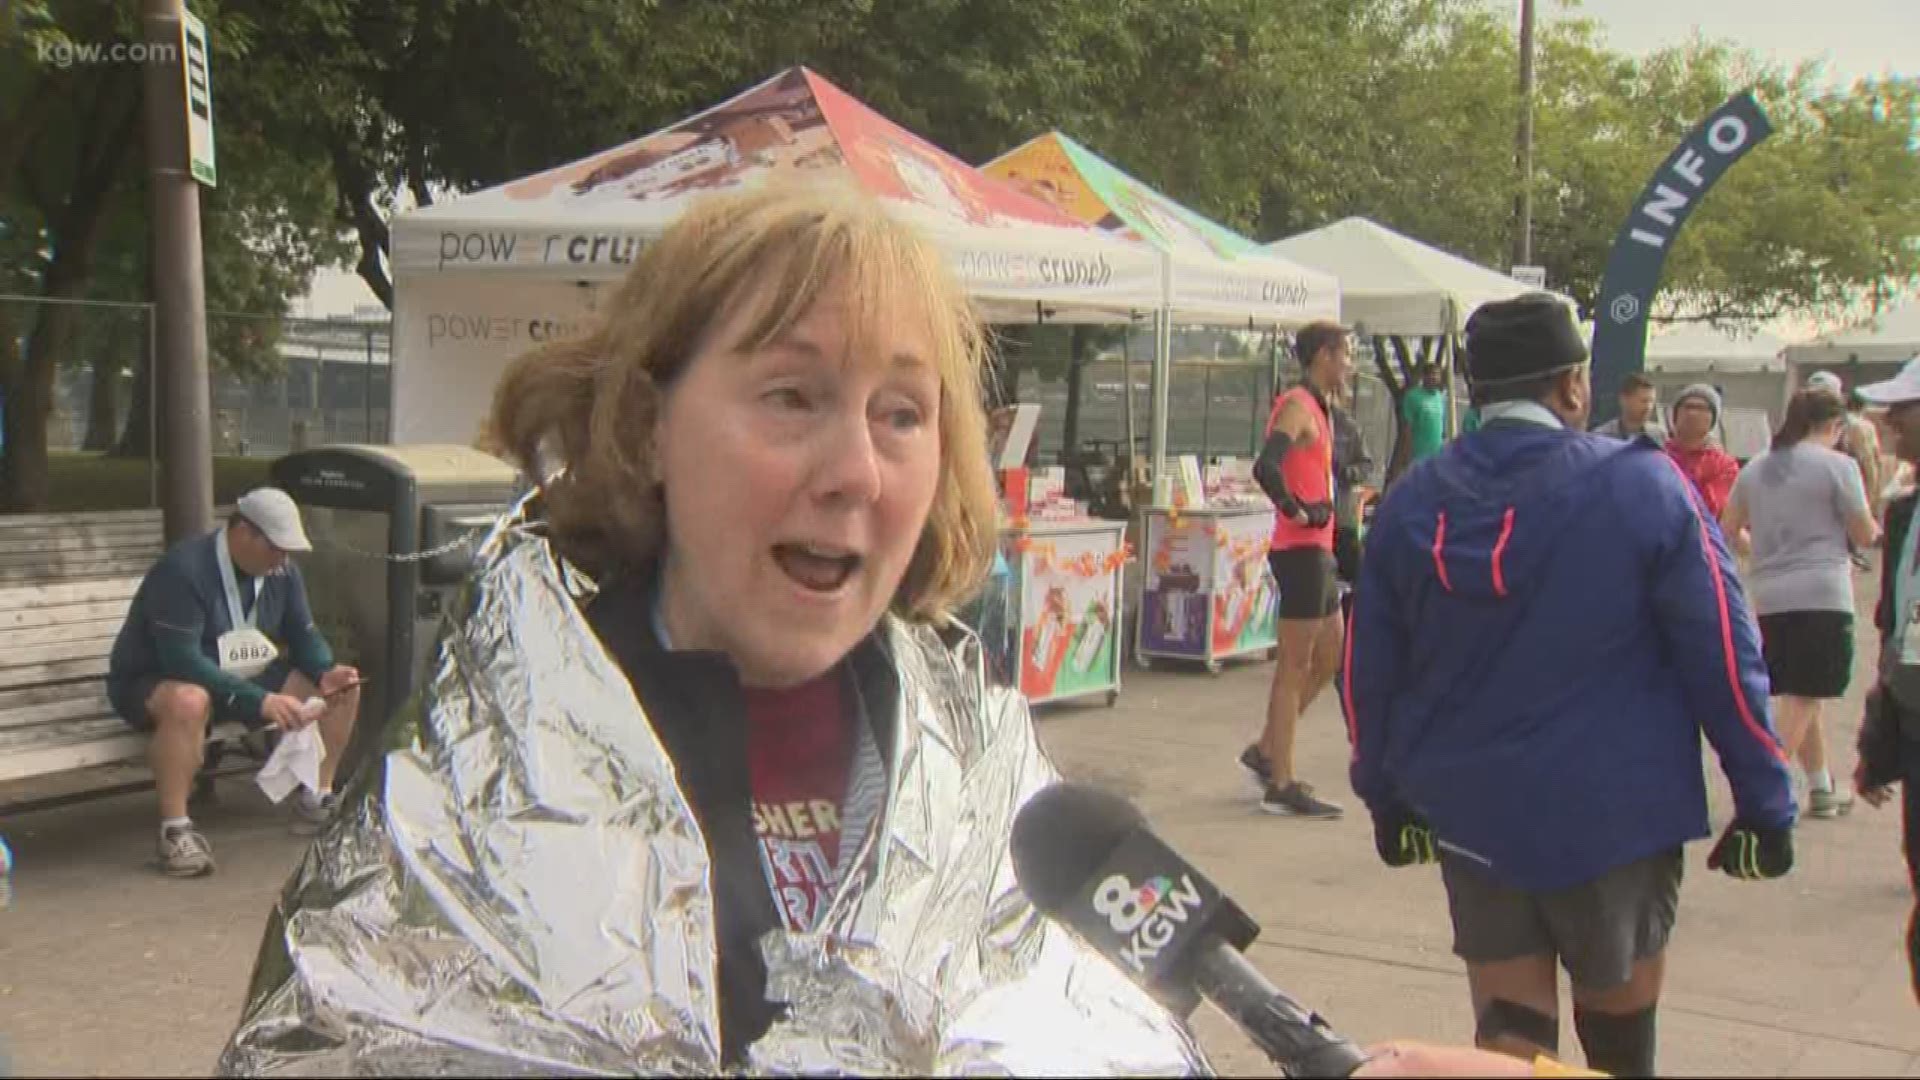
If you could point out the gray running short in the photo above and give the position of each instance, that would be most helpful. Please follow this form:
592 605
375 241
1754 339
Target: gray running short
1597 929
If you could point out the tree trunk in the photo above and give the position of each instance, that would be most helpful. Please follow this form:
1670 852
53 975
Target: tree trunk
102 399
138 439
24 484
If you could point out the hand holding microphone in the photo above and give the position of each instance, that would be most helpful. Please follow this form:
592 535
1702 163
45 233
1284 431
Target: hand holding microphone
1087 860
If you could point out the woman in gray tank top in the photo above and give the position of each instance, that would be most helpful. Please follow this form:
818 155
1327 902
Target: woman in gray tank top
1794 510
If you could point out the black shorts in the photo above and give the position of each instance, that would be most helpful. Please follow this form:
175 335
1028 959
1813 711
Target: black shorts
1809 653
1598 929
129 699
1305 578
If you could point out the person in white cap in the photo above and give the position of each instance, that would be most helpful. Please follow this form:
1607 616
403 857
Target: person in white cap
220 629
1858 440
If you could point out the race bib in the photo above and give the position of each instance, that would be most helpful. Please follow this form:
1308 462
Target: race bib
246 652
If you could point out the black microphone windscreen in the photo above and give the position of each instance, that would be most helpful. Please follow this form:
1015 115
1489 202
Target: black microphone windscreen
1062 836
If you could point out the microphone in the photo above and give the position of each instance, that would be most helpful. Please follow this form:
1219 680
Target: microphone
1087 860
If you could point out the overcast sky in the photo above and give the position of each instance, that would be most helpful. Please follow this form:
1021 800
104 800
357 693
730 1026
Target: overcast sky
1857 38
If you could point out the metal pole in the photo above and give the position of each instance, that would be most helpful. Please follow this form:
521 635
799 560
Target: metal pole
1523 150
153 407
366 392
1206 413
1126 404
1157 433
180 359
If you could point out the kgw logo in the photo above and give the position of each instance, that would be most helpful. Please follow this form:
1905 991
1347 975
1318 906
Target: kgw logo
1150 914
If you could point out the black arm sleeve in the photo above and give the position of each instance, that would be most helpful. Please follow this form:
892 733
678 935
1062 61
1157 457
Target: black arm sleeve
1266 472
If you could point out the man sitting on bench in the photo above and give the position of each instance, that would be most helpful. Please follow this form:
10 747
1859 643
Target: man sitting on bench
220 630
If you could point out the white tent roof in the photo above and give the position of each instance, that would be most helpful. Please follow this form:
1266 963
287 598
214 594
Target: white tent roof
1890 339
587 220
1697 347
1216 276
1394 284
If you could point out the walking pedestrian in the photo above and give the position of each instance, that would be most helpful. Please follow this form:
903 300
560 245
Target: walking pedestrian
1295 469
1547 621
1794 511
1696 414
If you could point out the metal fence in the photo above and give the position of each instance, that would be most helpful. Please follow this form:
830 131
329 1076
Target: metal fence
310 381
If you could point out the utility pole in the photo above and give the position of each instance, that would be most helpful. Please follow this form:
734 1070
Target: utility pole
179 289
1523 148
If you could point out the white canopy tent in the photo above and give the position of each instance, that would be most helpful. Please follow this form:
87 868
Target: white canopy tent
486 277
1892 338
1394 285
1698 349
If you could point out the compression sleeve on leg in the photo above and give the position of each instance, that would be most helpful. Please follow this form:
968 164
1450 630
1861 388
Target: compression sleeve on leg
1618 1044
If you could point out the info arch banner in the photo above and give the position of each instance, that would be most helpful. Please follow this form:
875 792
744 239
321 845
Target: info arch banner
1640 250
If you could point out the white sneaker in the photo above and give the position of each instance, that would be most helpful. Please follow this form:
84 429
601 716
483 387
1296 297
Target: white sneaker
1828 804
184 852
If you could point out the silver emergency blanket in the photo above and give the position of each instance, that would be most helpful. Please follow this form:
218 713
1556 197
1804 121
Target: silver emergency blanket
526 891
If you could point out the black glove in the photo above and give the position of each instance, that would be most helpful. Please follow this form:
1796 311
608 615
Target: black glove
1752 852
1318 514
1403 838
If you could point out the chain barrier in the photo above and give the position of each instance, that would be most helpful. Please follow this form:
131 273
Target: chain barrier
466 539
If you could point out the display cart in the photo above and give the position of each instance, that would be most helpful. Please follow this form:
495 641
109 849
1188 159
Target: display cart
1207 594
1066 595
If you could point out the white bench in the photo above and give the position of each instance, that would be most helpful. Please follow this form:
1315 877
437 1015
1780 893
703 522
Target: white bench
66 581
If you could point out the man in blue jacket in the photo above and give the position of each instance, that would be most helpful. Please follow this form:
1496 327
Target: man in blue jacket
1545 624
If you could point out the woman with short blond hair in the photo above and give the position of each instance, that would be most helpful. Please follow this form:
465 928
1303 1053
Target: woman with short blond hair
695 786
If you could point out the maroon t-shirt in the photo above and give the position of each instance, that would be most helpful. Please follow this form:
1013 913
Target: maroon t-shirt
800 745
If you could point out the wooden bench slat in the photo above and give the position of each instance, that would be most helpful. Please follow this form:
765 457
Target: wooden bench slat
54 558
68 592
21 618
103 742
93 667
56 652
48 539
89 570
62 565
90 707
83 518
26 697
23 637
53 564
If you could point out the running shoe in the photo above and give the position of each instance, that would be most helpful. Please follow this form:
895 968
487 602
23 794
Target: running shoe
1297 800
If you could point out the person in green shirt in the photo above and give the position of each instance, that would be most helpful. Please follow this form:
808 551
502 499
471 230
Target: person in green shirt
1425 411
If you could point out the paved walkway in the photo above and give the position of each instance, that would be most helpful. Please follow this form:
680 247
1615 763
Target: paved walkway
106 968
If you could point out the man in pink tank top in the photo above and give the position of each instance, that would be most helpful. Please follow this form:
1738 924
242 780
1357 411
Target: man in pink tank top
1295 469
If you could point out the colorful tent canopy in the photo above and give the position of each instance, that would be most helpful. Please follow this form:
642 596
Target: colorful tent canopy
588 219
485 277
1215 275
